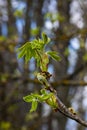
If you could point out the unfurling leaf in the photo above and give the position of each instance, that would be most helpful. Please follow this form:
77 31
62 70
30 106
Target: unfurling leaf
44 62
47 96
52 101
34 106
28 98
43 91
54 55
42 79
46 39
36 49
25 50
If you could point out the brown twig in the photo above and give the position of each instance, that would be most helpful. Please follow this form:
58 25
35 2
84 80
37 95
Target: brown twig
65 111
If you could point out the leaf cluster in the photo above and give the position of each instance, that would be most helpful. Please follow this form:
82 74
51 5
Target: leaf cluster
36 49
34 98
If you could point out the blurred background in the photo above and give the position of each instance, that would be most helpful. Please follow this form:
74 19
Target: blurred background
65 22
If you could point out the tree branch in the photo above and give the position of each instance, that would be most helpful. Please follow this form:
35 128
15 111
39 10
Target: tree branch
60 106
65 111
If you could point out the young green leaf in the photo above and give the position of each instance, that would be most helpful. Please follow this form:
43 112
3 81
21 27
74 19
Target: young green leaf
34 106
54 55
23 50
35 49
42 79
21 53
28 98
37 44
43 91
27 44
52 101
44 62
28 55
45 38
47 96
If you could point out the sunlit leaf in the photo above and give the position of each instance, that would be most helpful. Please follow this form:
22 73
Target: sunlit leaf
21 53
54 55
47 96
44 62
34 106
46 39
43 91
28 98
52 101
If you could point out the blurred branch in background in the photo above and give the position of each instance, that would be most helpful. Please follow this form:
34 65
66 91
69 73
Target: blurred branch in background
25 80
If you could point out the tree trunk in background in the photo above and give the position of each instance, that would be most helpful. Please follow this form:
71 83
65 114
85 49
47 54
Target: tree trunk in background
3 113
62 66
27 20
38 5
11 19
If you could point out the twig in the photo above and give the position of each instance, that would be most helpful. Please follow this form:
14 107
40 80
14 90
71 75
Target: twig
65 111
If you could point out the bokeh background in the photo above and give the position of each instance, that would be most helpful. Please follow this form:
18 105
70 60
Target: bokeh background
65 22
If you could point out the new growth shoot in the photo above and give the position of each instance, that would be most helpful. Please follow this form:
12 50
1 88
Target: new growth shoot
37 49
